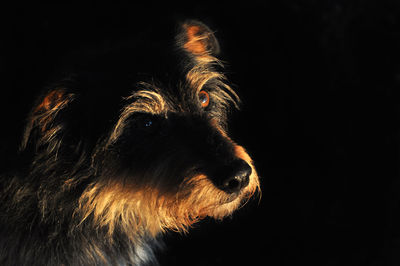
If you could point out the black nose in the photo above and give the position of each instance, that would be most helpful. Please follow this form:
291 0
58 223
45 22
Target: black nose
238 177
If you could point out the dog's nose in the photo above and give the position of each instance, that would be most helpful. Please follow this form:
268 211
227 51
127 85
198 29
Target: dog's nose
239 177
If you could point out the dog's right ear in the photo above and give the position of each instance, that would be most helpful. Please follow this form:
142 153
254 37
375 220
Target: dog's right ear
42 124
197 39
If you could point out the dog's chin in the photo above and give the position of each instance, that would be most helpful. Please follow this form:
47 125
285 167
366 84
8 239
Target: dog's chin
225 209
230 198
231 203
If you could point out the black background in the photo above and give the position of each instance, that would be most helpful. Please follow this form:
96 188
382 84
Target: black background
319 81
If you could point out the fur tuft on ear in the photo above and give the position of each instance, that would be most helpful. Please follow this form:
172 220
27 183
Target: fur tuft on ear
197 39
51 101
41 120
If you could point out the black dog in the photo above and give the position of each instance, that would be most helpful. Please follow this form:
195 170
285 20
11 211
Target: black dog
107 174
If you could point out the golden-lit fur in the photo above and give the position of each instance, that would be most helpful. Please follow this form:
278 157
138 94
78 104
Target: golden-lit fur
198 41
145 210
98 183
198 77
145 101
43 114
139 209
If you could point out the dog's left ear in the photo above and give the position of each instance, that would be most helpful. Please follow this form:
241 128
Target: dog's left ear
197 39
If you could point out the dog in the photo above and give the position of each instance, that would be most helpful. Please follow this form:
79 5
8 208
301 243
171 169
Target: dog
123 150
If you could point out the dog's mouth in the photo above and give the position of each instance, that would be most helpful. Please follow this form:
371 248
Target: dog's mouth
230 197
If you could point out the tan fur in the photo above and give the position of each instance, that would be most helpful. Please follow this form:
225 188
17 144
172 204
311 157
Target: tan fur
139 210
203 72
146 101
196 43
49 107
144 210
241 153
200 75
197 40
43 115
52 101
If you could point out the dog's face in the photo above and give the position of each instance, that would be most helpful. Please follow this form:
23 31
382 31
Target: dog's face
160 160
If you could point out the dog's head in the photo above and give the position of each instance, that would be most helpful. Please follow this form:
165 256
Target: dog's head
157 158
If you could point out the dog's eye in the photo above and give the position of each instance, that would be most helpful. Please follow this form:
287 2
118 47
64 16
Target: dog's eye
148 123
204 98
144 121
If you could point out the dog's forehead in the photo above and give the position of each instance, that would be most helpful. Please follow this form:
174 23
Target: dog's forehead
159 71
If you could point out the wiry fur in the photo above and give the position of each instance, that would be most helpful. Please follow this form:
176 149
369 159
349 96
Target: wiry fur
100 193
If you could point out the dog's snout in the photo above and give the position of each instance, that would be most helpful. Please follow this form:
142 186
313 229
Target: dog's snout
238 177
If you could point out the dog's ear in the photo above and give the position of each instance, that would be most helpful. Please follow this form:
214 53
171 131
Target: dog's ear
197 39
51 102
42 124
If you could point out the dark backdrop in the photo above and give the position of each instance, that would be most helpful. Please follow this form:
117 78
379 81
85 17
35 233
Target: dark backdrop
320 85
